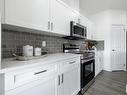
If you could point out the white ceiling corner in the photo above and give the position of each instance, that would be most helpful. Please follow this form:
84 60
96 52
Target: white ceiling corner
95 6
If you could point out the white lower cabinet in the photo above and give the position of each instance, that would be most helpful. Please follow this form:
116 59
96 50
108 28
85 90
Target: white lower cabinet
69 77
61 78
32 81
1 84
71 83
98 62
44 86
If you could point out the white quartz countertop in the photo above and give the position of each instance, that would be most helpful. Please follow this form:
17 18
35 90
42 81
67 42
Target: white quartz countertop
8 65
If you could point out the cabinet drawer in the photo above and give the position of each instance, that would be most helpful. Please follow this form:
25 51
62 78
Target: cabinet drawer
70 63
15 79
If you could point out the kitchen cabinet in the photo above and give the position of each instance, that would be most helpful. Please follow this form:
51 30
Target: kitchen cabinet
0 29
70 77
75 17
19 78
60 18
49 16
32 81
59 78
74 4
87 23
45 86
90 30
1 84
98 62
100 24
33 14
44 15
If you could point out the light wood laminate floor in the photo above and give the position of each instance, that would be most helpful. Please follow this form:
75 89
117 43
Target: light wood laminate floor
109 83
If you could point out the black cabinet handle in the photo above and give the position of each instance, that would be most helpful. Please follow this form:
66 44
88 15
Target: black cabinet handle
40 72
62 78
48 25
51 26
58 80
72 62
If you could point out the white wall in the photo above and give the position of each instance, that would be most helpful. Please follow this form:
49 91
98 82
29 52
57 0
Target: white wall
101 31
118 16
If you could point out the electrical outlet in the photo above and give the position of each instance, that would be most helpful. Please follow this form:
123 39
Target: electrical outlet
43 43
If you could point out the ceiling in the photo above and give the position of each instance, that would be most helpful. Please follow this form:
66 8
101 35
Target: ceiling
94 6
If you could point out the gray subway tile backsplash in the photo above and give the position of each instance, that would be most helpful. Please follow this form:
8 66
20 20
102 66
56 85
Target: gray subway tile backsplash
13 41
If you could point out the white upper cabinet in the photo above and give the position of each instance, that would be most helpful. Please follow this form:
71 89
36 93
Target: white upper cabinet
74 4
34 14
60 18
118 17
90 31
75 16
52 16
44 15
88 24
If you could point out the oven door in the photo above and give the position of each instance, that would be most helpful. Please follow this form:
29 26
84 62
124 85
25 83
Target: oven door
87 72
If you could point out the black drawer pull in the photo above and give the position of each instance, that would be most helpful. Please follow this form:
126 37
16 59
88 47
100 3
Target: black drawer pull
72 62
58 80
62 78
40 72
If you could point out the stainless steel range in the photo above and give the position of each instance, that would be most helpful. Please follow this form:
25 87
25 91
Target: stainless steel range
87 65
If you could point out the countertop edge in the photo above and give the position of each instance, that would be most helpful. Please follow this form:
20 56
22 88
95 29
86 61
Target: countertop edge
27 64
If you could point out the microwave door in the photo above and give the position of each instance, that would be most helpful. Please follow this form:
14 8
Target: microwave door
78 31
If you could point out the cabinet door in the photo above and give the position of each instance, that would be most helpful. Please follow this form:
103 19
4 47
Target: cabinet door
76 17
32 14
1 84
87 23
96 64
0 29
60 18
90 30
71 82
40 87
101 60
74 4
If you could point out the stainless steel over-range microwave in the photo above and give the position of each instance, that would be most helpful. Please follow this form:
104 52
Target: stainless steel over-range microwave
78 30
